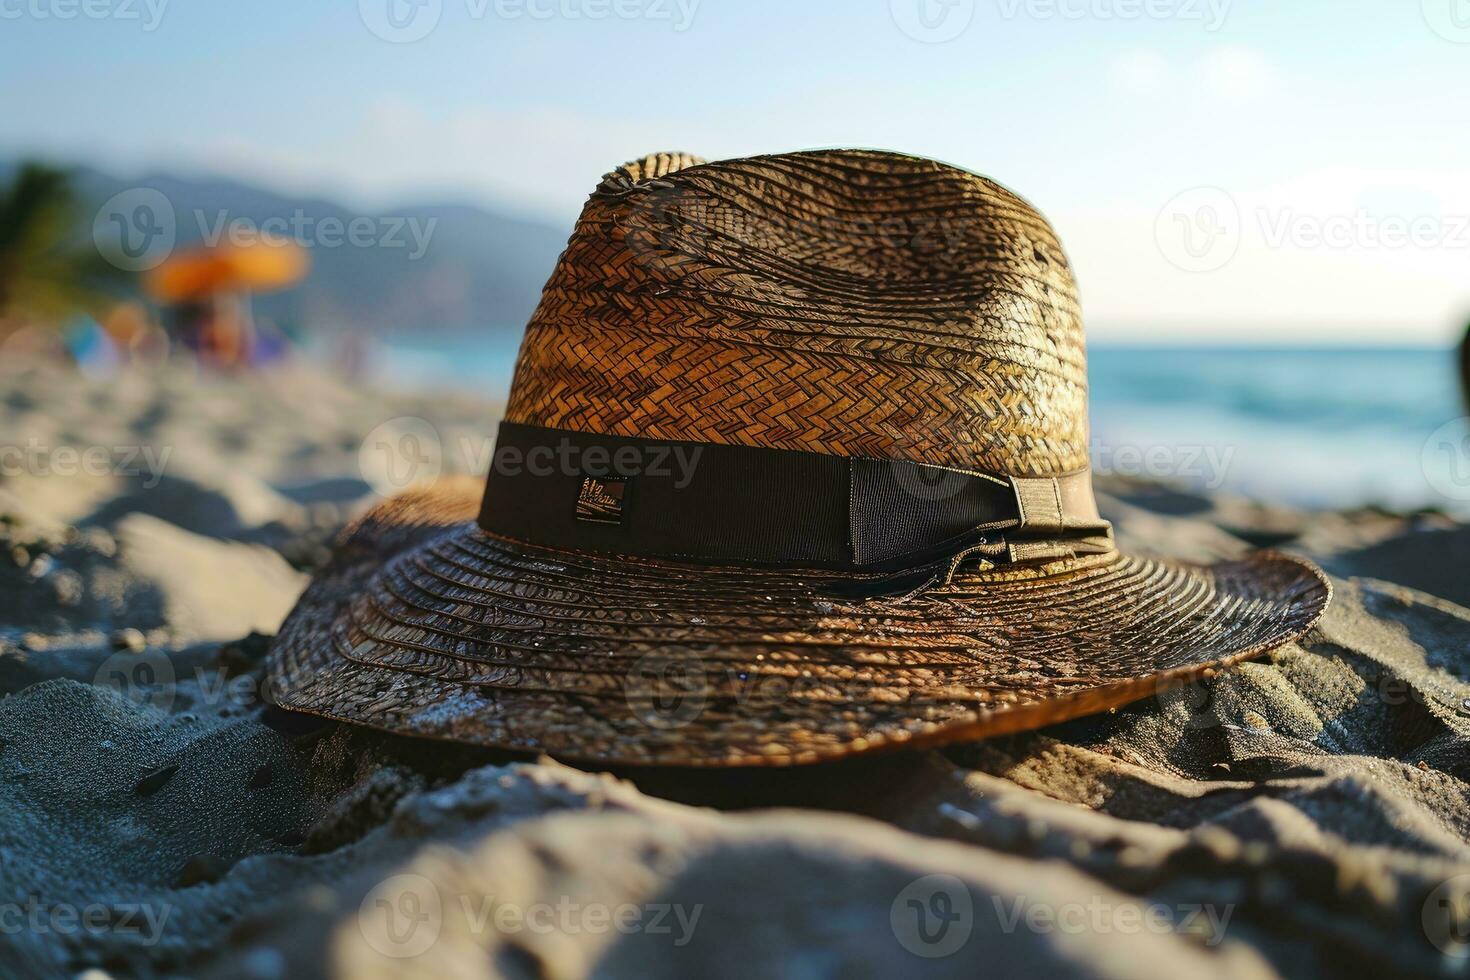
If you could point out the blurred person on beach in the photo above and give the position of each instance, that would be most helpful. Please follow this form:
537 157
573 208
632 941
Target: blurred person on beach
61 299
207 292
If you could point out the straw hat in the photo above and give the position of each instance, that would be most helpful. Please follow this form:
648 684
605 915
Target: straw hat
794 466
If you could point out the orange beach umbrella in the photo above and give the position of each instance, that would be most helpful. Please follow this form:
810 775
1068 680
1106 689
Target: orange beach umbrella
198 273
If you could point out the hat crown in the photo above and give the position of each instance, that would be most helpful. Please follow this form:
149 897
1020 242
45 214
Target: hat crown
847 302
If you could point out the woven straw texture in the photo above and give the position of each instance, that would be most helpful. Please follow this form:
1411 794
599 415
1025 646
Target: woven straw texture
844 302
427 625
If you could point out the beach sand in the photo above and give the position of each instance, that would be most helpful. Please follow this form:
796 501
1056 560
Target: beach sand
1304 814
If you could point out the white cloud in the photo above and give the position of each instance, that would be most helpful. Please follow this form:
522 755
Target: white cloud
1333 255
1236 74
1140 72
1224 74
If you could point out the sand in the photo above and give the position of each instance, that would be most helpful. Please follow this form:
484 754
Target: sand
1305 814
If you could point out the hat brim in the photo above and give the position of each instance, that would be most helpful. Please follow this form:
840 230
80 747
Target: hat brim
426 625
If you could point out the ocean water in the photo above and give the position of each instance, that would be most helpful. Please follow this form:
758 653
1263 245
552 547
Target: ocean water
1320 427
1317 427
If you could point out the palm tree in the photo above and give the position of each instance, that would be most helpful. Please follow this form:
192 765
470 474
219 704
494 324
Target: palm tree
46 272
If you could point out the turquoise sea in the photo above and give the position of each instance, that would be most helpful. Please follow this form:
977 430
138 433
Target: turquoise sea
1308 426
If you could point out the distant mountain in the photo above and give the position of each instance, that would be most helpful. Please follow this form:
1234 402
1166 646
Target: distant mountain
419 267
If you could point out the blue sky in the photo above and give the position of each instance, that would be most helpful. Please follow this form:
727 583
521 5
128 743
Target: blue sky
1218 170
